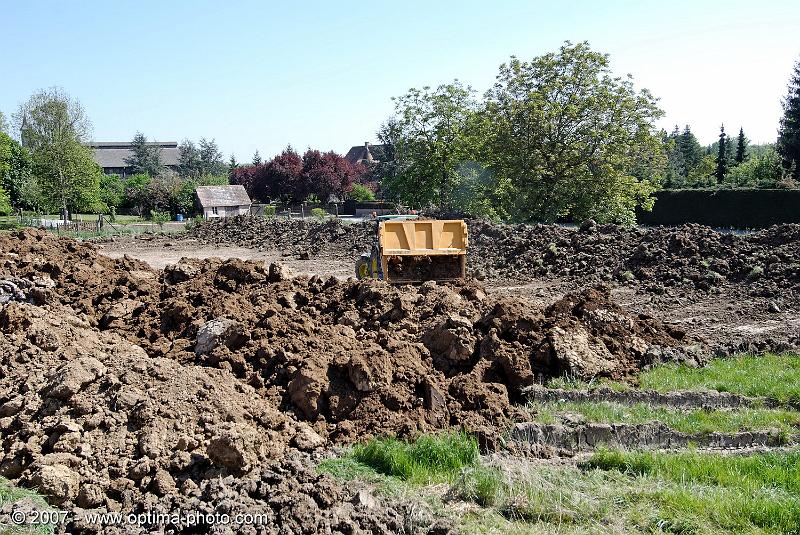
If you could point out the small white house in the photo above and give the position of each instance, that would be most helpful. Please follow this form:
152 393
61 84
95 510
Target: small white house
223 201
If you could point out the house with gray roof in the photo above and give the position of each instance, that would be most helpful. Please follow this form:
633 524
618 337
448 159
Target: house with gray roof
223 201
111 155
366 154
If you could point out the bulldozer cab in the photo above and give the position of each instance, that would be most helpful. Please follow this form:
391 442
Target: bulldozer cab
414 251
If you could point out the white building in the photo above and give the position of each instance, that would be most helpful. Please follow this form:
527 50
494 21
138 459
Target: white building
223 201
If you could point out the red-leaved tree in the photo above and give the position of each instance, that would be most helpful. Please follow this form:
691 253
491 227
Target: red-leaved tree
288 177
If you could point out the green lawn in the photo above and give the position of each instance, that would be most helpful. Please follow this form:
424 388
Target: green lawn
617 492
684 420
429 459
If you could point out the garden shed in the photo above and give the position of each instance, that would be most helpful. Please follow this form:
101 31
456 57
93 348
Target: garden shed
223 201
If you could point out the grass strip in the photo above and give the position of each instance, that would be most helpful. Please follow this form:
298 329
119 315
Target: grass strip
771 376
695 421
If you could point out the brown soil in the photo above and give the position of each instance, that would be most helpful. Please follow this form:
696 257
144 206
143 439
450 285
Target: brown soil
739 292
134 389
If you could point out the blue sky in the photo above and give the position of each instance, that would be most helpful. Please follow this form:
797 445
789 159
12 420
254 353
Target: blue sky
260 75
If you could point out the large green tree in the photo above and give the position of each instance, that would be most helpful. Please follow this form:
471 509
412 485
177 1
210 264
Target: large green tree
433 133
145 157
189 163
205 158
55 128
211 159
788 145
572 139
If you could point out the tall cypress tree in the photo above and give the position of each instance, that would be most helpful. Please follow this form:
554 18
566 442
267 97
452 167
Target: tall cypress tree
741 147
789 136
722 156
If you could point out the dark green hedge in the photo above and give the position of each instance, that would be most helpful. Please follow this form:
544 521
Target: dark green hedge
737 208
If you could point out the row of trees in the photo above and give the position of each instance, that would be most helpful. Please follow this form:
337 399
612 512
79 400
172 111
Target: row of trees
561 137
727 163
156 188
315 176
558 136
51 169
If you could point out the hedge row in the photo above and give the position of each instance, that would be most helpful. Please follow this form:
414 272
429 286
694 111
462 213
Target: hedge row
737 208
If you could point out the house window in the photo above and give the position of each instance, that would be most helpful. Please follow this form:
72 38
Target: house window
214 210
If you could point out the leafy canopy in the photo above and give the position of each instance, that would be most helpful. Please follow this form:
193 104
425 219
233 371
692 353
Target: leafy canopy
571 139
55 128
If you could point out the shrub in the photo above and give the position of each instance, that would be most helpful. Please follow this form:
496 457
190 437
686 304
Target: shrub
319 213
269 210
361 193
159 217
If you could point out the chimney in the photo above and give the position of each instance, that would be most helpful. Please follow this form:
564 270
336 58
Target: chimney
366 145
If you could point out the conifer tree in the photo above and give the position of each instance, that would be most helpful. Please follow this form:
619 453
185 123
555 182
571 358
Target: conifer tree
691 150
741 147
722 157
788 146
256 158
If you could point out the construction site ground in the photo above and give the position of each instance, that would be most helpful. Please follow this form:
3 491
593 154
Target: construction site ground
217 370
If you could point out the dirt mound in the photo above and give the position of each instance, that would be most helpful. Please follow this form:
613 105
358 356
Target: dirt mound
653 260
350 357
127 388
97 425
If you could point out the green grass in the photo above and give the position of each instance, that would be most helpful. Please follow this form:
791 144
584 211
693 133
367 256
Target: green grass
637 493
750 473
683 420
120 218
613 492
430 458
10 494
772 376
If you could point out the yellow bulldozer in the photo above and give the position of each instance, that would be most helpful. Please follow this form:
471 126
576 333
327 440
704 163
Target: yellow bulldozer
411 250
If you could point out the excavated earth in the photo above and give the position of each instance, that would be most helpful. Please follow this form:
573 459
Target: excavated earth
658 258
212 385
741 292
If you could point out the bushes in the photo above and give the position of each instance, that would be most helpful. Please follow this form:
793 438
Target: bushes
361 193
739 208
5 202
159 217
319 213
